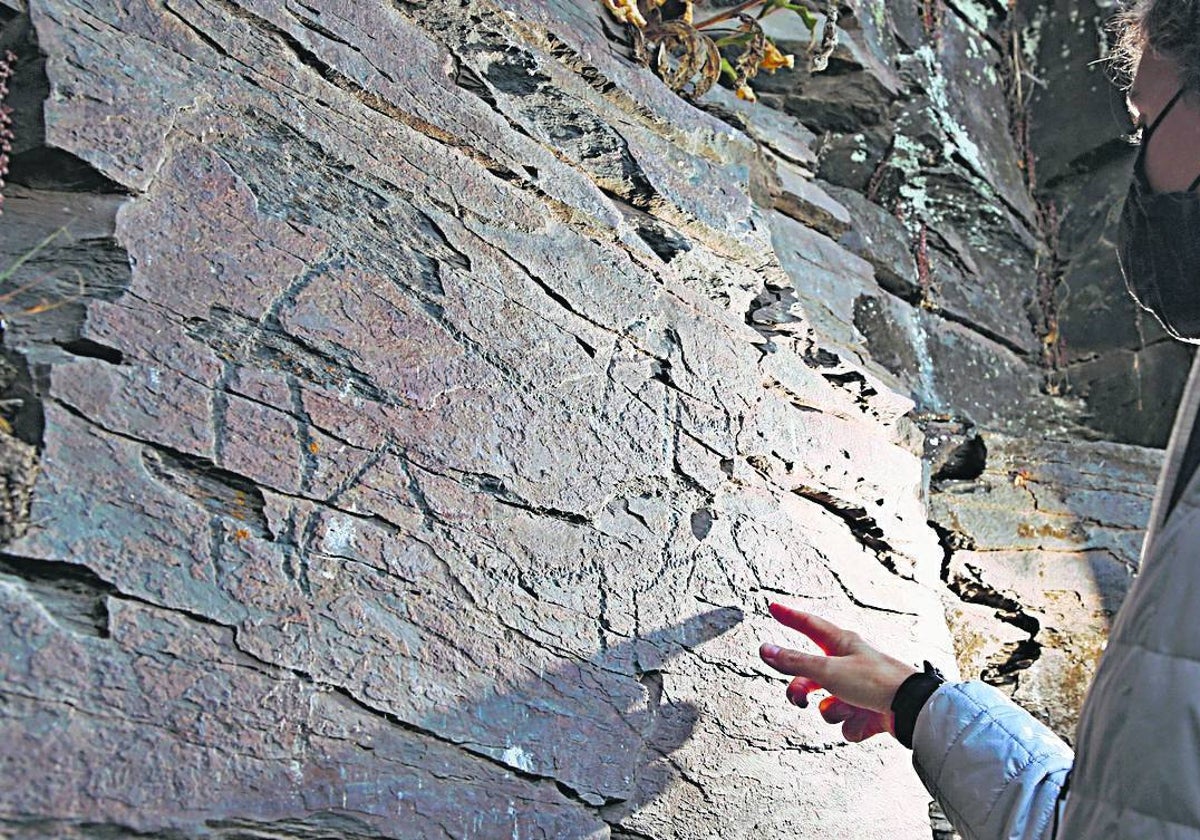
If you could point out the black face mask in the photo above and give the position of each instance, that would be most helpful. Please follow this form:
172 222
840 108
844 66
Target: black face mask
1159 247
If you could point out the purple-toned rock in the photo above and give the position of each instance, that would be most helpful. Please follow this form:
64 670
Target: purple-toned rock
427 472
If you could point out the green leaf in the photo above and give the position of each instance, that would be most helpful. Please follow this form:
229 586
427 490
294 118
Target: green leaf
727 69
771 6
735 38
810 20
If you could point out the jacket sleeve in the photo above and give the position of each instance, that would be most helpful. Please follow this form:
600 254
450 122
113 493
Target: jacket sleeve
994 769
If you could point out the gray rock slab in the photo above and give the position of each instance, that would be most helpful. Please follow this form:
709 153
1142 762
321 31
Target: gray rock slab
881 239
826 278
1075 111
949 368
784 135
415 485
146 689
1054 496
987 382
856 96
1096 313
808 203
972 110
62 242
970 221
1131 395
1044 544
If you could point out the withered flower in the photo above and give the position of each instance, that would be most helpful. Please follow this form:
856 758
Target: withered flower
626 11
773 59
687 54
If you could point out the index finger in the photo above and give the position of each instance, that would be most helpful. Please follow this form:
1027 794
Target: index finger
828 636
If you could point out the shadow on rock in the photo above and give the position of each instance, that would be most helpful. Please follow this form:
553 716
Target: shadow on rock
603 729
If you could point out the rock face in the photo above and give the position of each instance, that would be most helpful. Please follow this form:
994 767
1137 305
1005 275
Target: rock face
1045 532
1045 541
427 402
982 167
420 473
1119 361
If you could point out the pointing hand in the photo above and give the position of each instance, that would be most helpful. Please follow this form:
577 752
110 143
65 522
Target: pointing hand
862 680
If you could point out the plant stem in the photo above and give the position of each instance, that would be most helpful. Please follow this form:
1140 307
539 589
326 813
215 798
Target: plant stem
30 254
728 13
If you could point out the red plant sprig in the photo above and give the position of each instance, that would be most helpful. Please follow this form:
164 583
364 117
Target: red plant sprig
6 132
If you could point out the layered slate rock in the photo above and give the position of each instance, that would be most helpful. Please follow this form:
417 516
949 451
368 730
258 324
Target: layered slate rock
419 472
426 402
918 147
1042 546
983 181
1121 363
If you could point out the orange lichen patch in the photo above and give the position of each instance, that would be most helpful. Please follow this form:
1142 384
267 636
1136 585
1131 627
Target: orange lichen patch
239 502
314 447
1045 530
970 649
241 534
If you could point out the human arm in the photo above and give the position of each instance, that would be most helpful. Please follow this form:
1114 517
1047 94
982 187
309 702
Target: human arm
861 680
994 769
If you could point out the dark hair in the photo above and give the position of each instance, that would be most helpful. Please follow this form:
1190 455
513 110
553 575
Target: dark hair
1170 26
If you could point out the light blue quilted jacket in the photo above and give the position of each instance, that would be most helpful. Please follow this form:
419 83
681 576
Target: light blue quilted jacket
998 773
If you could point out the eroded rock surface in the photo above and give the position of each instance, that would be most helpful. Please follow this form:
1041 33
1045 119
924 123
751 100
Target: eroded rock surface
1044 543
426 472
427 402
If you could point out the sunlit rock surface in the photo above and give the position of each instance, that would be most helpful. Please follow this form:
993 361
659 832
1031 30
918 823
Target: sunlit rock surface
428 402
422 474
1045 542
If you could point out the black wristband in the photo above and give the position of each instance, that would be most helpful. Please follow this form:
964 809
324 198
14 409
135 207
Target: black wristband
910 698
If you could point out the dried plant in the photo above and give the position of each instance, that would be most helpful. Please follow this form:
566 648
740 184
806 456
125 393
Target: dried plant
933 12
43 305
820 51
690 56
681 56
6 132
